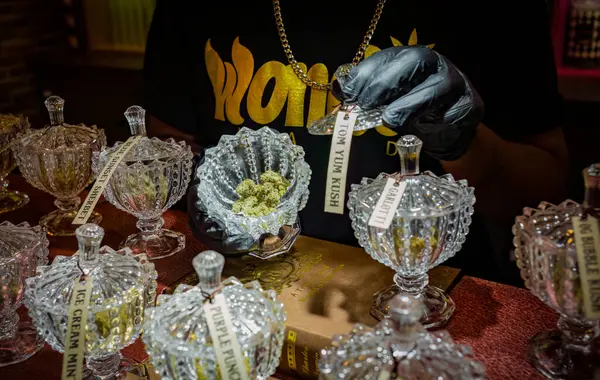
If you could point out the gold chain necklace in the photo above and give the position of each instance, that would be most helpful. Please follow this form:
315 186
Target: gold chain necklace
294 63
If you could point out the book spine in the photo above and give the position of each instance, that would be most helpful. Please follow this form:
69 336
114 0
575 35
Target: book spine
301 353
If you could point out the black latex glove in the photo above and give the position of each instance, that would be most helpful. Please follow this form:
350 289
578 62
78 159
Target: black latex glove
425 95
209 232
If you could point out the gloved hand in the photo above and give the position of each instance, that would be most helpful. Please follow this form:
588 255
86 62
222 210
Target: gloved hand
425 95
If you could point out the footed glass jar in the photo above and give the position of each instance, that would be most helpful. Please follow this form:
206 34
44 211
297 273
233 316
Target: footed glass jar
123 286
22 249
177 335
398 348
11 127
246 159
58 160
366 119
546 254
152 176
429 225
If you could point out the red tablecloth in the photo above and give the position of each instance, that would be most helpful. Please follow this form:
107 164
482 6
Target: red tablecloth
495 320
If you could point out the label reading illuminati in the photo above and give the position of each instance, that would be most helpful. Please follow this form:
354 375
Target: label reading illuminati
339 156
388 202
227 348
96 192
75 339
587 242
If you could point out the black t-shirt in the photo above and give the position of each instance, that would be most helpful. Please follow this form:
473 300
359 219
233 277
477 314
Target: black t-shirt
215 66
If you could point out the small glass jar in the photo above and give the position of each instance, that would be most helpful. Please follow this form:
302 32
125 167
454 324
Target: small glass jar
57 159
429 226
398 348
22 249
11 127
152 176
177 336
123 286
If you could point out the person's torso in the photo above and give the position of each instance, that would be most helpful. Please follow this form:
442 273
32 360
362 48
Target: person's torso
244 79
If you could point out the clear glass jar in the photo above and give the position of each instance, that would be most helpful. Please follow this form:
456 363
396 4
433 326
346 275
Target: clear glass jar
247 156
22 249
429 226
123 286
57 159
152 176
11 127
398 348
177 336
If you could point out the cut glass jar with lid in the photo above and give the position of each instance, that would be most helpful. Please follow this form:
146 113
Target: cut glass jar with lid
429 225
11 127
58 160
22 249
152 176
177 335
398 348
365 118
123 285
545 240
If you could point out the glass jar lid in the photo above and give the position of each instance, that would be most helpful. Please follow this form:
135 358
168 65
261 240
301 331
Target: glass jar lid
147 149
178 324
425 194
398 348
60 135
115 275
23 239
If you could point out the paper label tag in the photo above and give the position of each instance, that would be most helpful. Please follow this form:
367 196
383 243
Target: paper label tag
227 348
388 202
339 156
95 193
587 243
72 367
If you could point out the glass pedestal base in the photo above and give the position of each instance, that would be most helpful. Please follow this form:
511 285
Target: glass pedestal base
23 345
60 222
156 245
12 200
438 306
548 353
114 367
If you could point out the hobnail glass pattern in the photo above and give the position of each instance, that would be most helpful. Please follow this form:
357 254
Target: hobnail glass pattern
398 348
177 336
365 119
11 127
123 286
58 160
429 226
247 155
153 175
546 254
22 249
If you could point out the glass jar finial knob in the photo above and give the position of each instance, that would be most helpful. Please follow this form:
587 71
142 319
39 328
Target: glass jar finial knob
136 117
55 106
409 149
209 267
89 238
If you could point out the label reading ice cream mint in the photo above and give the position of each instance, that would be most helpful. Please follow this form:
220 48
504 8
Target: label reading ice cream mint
587 243
388 202
72 368
96 192
227 348
339 156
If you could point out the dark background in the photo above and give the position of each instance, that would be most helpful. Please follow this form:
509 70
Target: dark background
45 49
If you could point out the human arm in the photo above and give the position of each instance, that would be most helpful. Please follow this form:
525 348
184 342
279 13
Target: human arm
515 156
